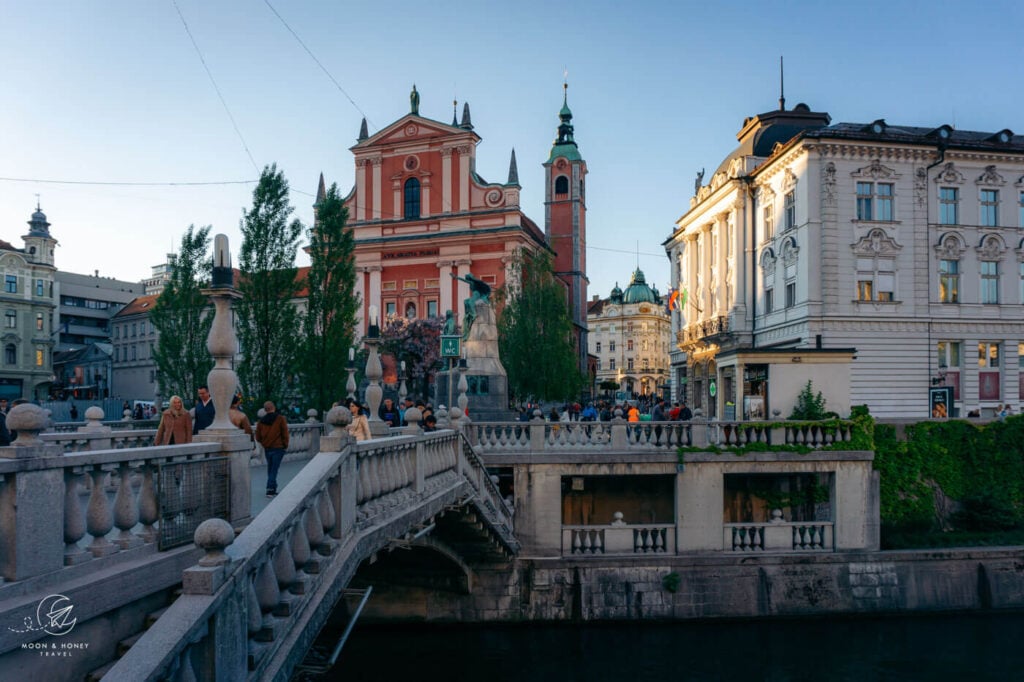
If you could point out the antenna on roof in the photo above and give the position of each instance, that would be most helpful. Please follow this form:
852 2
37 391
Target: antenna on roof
782 86
37 203
637 254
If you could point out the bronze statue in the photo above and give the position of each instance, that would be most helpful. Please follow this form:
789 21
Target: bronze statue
414 101
449 328
698 182
479 291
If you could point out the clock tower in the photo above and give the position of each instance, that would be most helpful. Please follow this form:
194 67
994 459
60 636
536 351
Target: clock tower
565 222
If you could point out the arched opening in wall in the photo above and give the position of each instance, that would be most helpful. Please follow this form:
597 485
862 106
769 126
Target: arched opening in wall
561 185
410 311
412 199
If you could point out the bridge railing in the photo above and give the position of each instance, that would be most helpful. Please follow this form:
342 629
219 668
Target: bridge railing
241 602
618 435
802 536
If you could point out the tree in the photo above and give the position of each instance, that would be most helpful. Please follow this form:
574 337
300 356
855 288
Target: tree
267 317
535 332
182 320
328 325
809 406
418 344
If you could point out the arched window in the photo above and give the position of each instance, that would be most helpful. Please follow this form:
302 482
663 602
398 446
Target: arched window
410 310
412 199
10 354
561 185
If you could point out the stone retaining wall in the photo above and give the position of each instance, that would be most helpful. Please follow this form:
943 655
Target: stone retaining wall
720 587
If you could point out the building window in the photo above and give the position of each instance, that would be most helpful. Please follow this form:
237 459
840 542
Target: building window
561 185
949 206
431 308
768 217
790 294
39 322
769 300
134 351
412 199
629 364
10 354
410 311
949 365
790 208
989 207
629 344
597 364
117 354
117 331
611 363
11 284
874 202
598 344
11 319
389 309
134 329
40 289
989 281
988 371
876 279
40 357
611 346
949 281
1020 209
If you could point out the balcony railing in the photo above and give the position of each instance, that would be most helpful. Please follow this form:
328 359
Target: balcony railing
780 536
619 539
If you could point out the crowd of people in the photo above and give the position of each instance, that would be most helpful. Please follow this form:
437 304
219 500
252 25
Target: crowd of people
651 409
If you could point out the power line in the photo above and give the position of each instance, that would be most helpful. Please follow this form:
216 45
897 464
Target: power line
130 184
322 67
641 253
214 82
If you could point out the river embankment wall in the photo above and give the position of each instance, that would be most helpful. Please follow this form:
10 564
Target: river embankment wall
733 586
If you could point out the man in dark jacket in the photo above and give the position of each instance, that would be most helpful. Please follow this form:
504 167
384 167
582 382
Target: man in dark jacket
272 434
205 411
685 415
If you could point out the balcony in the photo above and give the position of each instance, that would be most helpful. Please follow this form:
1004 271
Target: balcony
710 331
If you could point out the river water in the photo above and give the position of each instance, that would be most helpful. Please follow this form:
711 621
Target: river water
966 647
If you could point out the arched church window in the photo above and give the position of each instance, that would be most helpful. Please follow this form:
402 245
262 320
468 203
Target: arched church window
412 199
410 310
561 185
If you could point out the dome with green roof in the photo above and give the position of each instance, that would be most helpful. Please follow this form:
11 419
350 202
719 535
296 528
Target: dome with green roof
638 291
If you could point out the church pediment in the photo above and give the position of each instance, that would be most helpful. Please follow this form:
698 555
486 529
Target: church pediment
410 129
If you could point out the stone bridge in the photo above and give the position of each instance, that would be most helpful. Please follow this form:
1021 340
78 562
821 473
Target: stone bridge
84 517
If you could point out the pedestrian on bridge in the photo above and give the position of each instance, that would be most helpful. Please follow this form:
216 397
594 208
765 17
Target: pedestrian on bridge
272 434
175 425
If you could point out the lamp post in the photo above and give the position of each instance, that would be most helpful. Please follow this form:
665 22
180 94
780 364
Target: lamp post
374 373
221 342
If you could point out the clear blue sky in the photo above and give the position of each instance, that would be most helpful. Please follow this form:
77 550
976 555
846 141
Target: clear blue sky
114 91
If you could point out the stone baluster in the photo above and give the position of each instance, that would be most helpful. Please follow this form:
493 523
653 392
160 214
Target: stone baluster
314 526
148 508
185 672
126 510
74 519
363 493
268 597
350 385
100 517
253 617
300 554
284 570
374 373
328 517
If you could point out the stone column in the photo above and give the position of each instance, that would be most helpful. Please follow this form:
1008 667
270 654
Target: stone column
31 509
444 278
361 189
465 160
223 382
446 179
376 207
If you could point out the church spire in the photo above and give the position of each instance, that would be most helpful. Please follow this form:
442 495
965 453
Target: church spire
467 123
321 191
363 133
513 170
455 113
565 128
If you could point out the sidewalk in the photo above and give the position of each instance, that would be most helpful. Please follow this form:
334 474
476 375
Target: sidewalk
259 481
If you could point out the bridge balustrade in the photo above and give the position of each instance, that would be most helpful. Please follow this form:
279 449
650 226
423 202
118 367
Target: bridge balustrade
619 539
252 605
801 536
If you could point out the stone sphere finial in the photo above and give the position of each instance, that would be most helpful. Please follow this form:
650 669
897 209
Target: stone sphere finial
338 417
213 535
28 420
95 413
311 415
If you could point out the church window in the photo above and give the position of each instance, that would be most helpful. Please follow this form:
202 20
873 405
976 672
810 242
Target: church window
431 308
389 309
410 310
561 185
412 199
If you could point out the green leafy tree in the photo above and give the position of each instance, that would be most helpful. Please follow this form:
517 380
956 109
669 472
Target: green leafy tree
182 320
809 405
535 332
328 325
267 317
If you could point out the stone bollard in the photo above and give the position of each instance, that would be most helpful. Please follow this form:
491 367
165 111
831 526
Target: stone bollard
338 418
620 440
311 416
537 428
94 427
442 417
413 417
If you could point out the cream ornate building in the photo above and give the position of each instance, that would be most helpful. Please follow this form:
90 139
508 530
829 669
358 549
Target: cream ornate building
878 261
630 335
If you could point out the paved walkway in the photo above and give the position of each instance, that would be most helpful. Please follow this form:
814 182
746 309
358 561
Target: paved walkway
259 481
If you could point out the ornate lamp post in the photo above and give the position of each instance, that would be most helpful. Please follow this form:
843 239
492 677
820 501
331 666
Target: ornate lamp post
374 373
350 386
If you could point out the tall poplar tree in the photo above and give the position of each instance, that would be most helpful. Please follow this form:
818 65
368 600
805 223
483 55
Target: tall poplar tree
535 332
182 320
328 325
268 322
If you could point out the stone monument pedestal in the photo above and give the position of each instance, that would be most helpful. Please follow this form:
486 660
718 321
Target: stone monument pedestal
488 383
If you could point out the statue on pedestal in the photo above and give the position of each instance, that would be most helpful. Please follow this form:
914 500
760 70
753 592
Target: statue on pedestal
479 291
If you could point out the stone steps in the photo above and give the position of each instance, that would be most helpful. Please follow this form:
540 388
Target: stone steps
125 644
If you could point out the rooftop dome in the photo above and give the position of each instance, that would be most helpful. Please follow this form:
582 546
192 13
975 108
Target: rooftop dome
638 291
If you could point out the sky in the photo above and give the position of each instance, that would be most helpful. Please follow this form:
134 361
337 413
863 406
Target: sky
112 91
